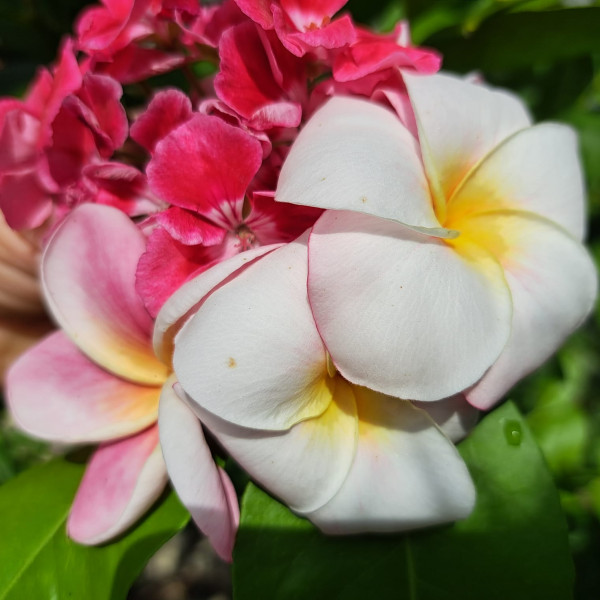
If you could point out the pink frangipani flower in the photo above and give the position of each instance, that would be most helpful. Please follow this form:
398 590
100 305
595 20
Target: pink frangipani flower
98 381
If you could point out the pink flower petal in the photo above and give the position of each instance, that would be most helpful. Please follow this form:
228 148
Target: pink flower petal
167 264
330 35
189 228
204 489
206 165
258 10
88 275
56 393
98 105
246 81
122 480
167 110
23 200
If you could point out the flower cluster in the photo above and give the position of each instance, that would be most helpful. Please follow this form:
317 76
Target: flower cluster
316 248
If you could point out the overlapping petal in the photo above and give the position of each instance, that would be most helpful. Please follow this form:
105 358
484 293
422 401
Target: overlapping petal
88 275
405 474
459 123
204 488
535 170
216 365
122 480
355 155
304 466
401 312
56 393
183 303
553 284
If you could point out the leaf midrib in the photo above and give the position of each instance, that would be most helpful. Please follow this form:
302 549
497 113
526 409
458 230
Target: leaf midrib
37 551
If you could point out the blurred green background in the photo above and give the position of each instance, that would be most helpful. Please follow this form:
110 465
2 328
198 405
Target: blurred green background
549 53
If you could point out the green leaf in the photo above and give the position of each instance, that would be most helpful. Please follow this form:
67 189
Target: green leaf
514 545
40 562
518 40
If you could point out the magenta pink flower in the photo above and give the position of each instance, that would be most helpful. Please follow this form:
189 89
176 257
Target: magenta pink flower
302 25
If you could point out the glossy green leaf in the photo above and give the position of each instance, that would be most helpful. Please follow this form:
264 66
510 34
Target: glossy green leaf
39 561
514 545
517 40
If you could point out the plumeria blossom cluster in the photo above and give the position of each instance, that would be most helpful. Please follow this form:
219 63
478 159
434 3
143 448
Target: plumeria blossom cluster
317 255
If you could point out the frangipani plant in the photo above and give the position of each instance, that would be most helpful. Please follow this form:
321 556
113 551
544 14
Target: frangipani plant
320 264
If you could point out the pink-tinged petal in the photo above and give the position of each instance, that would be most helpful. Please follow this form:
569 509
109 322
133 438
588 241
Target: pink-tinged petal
459 123
122 481
454 416
205 24
74 146
189 228
182 303
258 10
165 266
367 56
404 313
553 283
536 170
206 165
246 81
355 155
98 105
254 338
274 222
167 110
122 186
66 80
308 14
23 200
304 466
134 63
88 275
19 132
203 488
98 27
329 35
406 473
56 393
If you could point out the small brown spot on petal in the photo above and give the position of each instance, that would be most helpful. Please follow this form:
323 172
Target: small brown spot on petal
363 199
231 362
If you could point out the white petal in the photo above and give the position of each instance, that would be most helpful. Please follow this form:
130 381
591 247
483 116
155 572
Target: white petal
198 481
553 283
188 297
454 416
356 155
304 466
404 313
406 473
536 170
459 122
252 354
